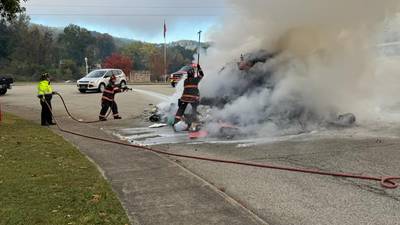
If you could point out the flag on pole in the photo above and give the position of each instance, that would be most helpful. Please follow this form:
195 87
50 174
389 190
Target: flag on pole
165 29
165 51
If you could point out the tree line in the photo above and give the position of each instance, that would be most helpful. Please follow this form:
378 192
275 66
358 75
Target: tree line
28 50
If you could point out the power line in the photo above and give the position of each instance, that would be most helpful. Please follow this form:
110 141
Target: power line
131 7
123 15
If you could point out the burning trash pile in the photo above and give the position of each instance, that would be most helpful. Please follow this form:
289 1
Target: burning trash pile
258 80
257 98
309 65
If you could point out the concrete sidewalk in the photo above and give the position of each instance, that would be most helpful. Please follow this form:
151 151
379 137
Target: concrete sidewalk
153 189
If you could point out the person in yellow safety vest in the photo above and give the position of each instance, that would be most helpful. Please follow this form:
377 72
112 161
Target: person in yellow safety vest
45 94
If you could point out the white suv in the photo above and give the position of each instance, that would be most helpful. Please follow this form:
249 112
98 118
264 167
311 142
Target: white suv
98 79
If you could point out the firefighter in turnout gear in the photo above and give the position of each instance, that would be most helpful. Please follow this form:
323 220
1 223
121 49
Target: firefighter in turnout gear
107 99
191 94
45 94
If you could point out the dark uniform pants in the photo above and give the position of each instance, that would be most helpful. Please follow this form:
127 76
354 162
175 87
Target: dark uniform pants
46 117
182 107
105 105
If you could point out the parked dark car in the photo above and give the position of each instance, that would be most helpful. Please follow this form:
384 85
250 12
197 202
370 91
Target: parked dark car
180 74
5 83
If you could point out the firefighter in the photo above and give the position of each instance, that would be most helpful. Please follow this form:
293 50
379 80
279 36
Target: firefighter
45 94
191 94
108 101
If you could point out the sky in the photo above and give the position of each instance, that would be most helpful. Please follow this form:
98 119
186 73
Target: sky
134 19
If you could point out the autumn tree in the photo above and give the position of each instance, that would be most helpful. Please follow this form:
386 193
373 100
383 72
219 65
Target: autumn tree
105 44
177 57
140 53
157 67
76 42
10 8
118 61
27 50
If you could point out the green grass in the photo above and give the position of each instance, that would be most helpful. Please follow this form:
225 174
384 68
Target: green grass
45 180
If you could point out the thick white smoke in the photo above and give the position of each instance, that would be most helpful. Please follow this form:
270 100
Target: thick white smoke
324 63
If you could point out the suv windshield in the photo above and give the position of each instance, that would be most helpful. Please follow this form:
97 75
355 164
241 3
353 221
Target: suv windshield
96 74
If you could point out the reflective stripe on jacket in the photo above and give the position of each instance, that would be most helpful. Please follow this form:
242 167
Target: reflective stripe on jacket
44 88
191 91
109 92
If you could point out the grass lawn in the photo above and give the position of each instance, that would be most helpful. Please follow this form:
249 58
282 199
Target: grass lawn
45 180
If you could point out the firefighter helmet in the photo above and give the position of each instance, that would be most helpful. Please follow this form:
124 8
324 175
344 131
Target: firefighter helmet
44 76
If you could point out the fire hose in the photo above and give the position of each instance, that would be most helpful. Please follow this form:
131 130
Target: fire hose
74 118
385 181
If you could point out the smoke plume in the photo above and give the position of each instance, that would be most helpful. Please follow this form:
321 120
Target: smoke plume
323 62
306 62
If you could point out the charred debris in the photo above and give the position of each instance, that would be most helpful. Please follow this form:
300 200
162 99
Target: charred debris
255 73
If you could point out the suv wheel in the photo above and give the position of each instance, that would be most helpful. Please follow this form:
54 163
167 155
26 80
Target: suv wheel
102 87
122 84
3 91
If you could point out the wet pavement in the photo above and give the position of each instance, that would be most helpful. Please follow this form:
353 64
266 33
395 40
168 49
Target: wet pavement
276 197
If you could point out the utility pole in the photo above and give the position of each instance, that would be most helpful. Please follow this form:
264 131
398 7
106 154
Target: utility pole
87 68
198 51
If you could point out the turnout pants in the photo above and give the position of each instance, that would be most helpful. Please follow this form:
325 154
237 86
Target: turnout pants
182 107
107 104
46 116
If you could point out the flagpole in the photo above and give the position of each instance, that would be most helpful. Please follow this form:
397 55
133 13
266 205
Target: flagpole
165 54
165 59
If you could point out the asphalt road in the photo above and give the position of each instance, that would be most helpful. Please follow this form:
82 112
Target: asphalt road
86 106
278 198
